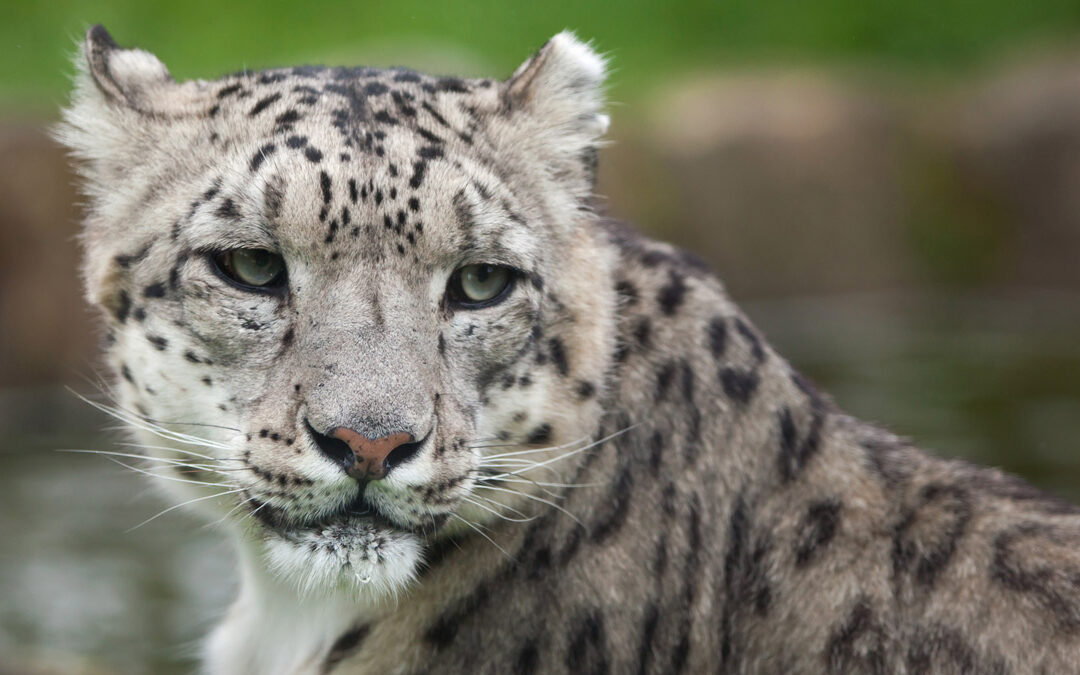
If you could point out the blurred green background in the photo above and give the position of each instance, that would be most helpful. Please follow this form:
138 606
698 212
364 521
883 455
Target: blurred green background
890 189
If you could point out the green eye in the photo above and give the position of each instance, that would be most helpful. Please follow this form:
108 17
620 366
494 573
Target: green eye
480 285
253 267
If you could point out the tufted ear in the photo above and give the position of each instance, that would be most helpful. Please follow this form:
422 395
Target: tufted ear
122 100
123 76
561 89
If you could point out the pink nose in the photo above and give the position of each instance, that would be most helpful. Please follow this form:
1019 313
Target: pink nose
370 454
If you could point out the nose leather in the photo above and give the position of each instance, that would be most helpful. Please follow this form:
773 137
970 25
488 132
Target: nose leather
369 453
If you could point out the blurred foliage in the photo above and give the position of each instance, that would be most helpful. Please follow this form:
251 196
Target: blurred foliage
647 38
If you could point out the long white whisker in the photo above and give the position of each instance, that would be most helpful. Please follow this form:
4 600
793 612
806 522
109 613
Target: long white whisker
190 501
526 481
533 497
571 453
139 422
496 513
231 511
172 478
478 531
163 460
499 504
167 448
536 450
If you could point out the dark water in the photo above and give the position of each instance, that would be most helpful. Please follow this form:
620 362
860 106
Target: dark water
996 380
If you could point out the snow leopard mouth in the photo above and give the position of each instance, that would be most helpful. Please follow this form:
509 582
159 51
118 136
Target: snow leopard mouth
357 512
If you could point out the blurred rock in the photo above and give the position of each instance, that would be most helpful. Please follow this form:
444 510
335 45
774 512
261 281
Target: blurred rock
799 183
45 331
785 183
1017 137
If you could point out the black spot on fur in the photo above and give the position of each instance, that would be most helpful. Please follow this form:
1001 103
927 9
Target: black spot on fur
756 348
528 659
123 306
539 435
927 537
160 343
324 185
818 529
313 155
126 261
739 385
585 389
260 156
263 104
643 332
794 452
558 356
154 291
228 210
611 516
587 651
672 294
664 377
419 168
346 645
857 645
442 633
287 118
648 635
627 292
384 117
717 336
231 89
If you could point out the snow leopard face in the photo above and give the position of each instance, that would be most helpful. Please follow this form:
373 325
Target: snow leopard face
337 298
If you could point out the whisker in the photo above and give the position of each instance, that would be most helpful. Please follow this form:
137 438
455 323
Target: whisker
239 504
141 423
573 452
525 480
163 460
536 450
499 504
481 533
167 448
533 497
496 513
178 480
190 501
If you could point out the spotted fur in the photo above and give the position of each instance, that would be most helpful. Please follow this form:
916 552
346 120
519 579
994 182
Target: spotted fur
619 474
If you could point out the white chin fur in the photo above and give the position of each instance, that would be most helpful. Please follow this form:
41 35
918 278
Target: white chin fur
351 556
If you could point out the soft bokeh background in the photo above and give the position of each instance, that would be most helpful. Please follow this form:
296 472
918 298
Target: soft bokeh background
891 189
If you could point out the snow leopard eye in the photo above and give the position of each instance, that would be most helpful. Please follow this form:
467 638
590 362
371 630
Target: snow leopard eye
475 286
253 268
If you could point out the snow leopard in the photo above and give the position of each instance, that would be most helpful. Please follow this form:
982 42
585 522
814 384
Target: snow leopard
457 420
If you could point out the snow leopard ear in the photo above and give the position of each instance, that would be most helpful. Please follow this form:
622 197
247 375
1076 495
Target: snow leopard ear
123 102
126 77
561 89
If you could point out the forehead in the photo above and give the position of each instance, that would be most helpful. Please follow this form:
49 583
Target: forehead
365 160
